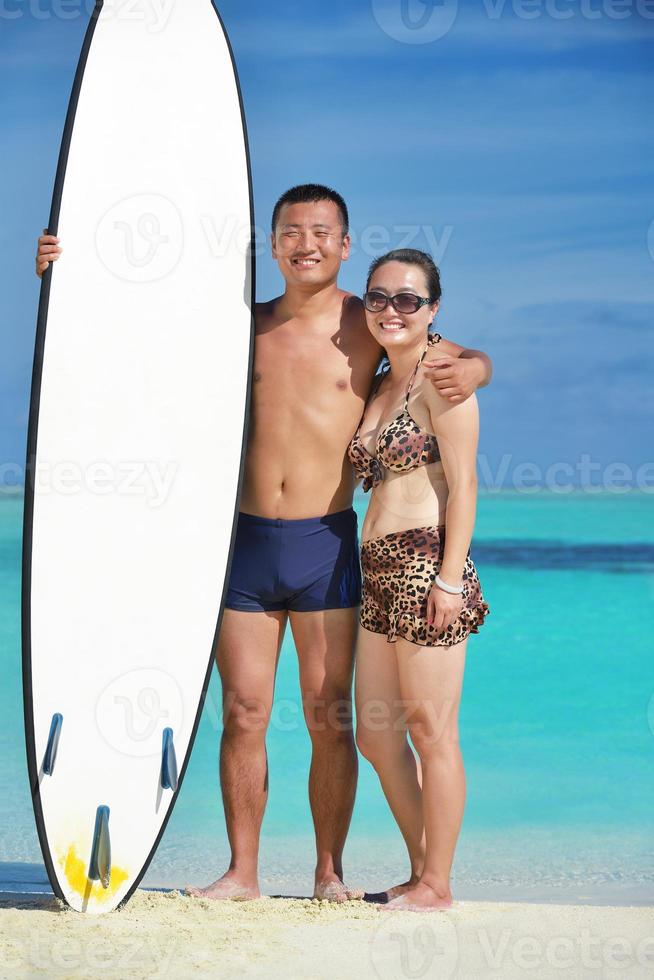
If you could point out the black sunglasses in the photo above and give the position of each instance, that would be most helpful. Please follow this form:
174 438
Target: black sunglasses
376 301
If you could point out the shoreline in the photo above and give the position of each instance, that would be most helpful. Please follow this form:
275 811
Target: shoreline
46 896
30 879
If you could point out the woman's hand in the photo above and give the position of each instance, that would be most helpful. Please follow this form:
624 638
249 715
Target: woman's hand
443 609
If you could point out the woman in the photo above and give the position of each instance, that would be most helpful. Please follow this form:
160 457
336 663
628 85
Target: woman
422 598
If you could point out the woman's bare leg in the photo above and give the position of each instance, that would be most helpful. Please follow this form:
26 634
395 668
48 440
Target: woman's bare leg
382 739
431 680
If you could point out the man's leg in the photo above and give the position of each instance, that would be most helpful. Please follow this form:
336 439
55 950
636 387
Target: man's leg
325 646
248 651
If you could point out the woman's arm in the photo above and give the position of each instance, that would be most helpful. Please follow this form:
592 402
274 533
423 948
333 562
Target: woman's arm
457 430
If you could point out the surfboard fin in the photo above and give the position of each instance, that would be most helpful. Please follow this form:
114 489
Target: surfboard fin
50 756
100 863
169 777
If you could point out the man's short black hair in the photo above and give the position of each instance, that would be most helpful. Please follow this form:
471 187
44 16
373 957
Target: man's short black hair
312 194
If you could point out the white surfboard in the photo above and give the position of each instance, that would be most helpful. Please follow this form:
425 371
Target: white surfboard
136 437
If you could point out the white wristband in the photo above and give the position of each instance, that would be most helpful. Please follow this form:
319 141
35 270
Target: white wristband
448 588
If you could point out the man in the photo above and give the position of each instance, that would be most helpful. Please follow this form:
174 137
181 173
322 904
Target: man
296 554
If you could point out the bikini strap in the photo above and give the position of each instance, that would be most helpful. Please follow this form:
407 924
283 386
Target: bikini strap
413 378
430 342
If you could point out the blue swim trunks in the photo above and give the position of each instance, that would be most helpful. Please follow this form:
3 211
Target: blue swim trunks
302 566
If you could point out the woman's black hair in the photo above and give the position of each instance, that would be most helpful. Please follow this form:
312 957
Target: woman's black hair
412 256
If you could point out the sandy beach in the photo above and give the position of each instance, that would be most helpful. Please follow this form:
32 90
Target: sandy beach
167 934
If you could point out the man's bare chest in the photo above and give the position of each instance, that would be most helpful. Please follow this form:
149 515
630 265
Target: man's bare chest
311 368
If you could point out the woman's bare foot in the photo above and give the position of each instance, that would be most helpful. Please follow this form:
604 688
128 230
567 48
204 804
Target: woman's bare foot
331 889
420 898
398 890
388 894
227 887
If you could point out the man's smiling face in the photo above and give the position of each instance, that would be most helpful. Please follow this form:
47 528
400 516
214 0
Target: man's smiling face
308 243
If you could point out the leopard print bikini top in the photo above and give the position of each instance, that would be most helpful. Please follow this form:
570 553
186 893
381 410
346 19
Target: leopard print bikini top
401 445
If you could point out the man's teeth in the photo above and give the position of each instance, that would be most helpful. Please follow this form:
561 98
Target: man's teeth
306 263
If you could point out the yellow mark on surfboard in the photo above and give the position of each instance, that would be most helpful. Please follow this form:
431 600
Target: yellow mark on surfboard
76 874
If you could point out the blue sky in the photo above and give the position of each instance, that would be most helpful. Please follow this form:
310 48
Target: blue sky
521 139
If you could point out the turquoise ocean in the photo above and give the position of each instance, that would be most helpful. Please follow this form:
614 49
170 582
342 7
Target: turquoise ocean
557 726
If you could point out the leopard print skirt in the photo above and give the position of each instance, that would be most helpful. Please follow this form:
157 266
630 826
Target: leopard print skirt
399 571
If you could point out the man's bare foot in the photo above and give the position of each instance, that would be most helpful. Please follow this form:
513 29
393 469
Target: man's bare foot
331 889
228 887
420 898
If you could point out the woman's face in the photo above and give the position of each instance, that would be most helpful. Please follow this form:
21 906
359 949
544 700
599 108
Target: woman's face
389 327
